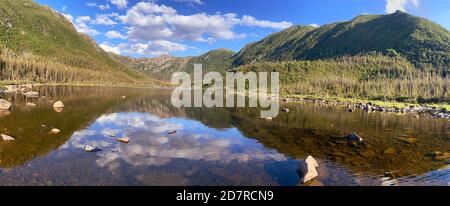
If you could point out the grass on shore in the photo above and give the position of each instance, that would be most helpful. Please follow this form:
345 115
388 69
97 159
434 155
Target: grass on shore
390 104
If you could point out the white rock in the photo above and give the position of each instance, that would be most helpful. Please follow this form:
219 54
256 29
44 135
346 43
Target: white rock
308 169
5 105
89 148
54 131
7 138
58 104
30 104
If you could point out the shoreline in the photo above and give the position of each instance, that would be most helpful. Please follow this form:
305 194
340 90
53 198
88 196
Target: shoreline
437 111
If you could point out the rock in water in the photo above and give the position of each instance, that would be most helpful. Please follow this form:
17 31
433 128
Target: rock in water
89 148
31 94
7 138
58 104
30 104
4 105
354 137
125 140
285 110
308 169
54 131
4 113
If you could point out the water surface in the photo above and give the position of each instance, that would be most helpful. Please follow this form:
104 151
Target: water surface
217 146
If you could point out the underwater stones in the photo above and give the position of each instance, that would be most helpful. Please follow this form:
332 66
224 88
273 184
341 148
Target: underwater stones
269 118
30 104
409 140
5 105
307 169
390 151
354 137
367 153
125 140
58 104
7 137
54 131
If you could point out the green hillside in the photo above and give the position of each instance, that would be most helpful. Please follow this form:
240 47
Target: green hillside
39 44
422 42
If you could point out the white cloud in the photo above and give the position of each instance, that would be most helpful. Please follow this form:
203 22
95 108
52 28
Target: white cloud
314 25
64 8
200 2
394 5
108 48
251 21
114 35
104 7
81 24
91 4
155 48
103 19
121 4
165 23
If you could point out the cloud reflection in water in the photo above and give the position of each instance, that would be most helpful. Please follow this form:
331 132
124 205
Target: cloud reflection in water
152 146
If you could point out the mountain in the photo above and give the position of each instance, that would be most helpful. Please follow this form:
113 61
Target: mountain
161 67
44 45
420 41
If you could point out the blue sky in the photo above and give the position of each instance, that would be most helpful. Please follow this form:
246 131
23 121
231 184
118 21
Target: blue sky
148 28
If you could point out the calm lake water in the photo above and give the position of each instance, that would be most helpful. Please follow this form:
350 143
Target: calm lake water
212 146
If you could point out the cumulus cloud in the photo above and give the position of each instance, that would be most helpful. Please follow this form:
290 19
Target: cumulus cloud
167 24
394 5
155 48
81 24
121 4
108 48
114 35
314 25
104 19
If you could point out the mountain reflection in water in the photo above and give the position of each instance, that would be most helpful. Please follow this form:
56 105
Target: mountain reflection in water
217 146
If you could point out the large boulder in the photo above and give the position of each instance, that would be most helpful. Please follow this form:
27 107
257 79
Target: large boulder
307 169
5 105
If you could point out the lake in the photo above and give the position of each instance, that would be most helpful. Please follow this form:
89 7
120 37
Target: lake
219 146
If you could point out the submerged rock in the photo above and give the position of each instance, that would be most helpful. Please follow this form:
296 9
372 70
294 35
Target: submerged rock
58 104
7 137
390 151
30 104
5 105
125 140
54 131
354 137
4 113
408 140
269 118
308 169
31 94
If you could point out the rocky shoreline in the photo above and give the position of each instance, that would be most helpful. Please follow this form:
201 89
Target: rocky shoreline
421 111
